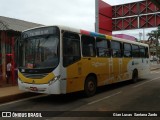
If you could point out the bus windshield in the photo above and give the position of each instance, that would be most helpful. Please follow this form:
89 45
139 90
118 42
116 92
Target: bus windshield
40 52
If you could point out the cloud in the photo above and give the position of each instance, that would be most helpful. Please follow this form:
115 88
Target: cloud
74 13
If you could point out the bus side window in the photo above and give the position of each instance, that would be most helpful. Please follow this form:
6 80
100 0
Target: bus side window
88 46
116 49
71 48
127 50
142 52
135 51
102 46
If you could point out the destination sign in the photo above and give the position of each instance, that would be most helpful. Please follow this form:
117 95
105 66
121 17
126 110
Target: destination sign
40 31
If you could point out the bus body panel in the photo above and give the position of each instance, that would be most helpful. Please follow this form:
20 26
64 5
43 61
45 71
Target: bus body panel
43 80
46 84
41 88
78 72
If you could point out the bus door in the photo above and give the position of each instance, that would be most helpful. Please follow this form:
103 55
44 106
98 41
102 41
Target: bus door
127 57
110 69
116 61
104 62
72 61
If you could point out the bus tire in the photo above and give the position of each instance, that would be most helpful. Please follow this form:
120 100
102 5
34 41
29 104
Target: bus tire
135 76
90 86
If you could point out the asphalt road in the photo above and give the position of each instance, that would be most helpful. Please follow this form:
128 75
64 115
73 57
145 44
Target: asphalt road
122 97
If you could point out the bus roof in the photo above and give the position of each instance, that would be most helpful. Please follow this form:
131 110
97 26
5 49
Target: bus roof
94 34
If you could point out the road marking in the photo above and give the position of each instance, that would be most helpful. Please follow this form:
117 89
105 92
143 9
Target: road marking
154 72
25 99
104 98
145 82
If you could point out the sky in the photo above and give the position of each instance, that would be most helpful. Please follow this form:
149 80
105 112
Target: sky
74 13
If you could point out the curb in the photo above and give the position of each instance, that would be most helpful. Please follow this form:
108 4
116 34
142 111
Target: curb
154 69
18 96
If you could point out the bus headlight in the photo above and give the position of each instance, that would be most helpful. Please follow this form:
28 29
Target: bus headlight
20 80
54 80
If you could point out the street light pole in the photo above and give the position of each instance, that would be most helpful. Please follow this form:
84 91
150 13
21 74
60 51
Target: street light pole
140 35
157 44
97 16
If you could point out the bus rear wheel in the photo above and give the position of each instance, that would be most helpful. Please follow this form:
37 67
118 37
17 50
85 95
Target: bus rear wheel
90 86
135 76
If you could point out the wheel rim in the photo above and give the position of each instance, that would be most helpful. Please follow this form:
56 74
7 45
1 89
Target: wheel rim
91 86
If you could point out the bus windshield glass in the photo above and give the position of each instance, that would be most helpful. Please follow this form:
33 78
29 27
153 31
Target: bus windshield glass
40 52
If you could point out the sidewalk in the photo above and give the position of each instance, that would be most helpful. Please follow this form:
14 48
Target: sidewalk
154 66
8 94
11 93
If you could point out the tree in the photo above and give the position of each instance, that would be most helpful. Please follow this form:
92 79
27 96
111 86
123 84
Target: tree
153 40
154 36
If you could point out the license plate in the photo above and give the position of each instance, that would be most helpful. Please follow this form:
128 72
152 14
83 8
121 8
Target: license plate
33 88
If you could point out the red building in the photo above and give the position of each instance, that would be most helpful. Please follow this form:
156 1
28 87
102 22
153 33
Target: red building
104 18
141 14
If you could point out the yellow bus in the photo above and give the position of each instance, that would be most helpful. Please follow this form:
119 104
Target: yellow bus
61 60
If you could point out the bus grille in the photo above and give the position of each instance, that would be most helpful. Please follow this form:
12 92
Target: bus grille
35 76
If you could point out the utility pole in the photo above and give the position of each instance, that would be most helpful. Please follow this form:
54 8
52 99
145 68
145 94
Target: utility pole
140 35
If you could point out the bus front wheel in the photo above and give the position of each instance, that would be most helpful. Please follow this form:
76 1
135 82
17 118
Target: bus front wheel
90 86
